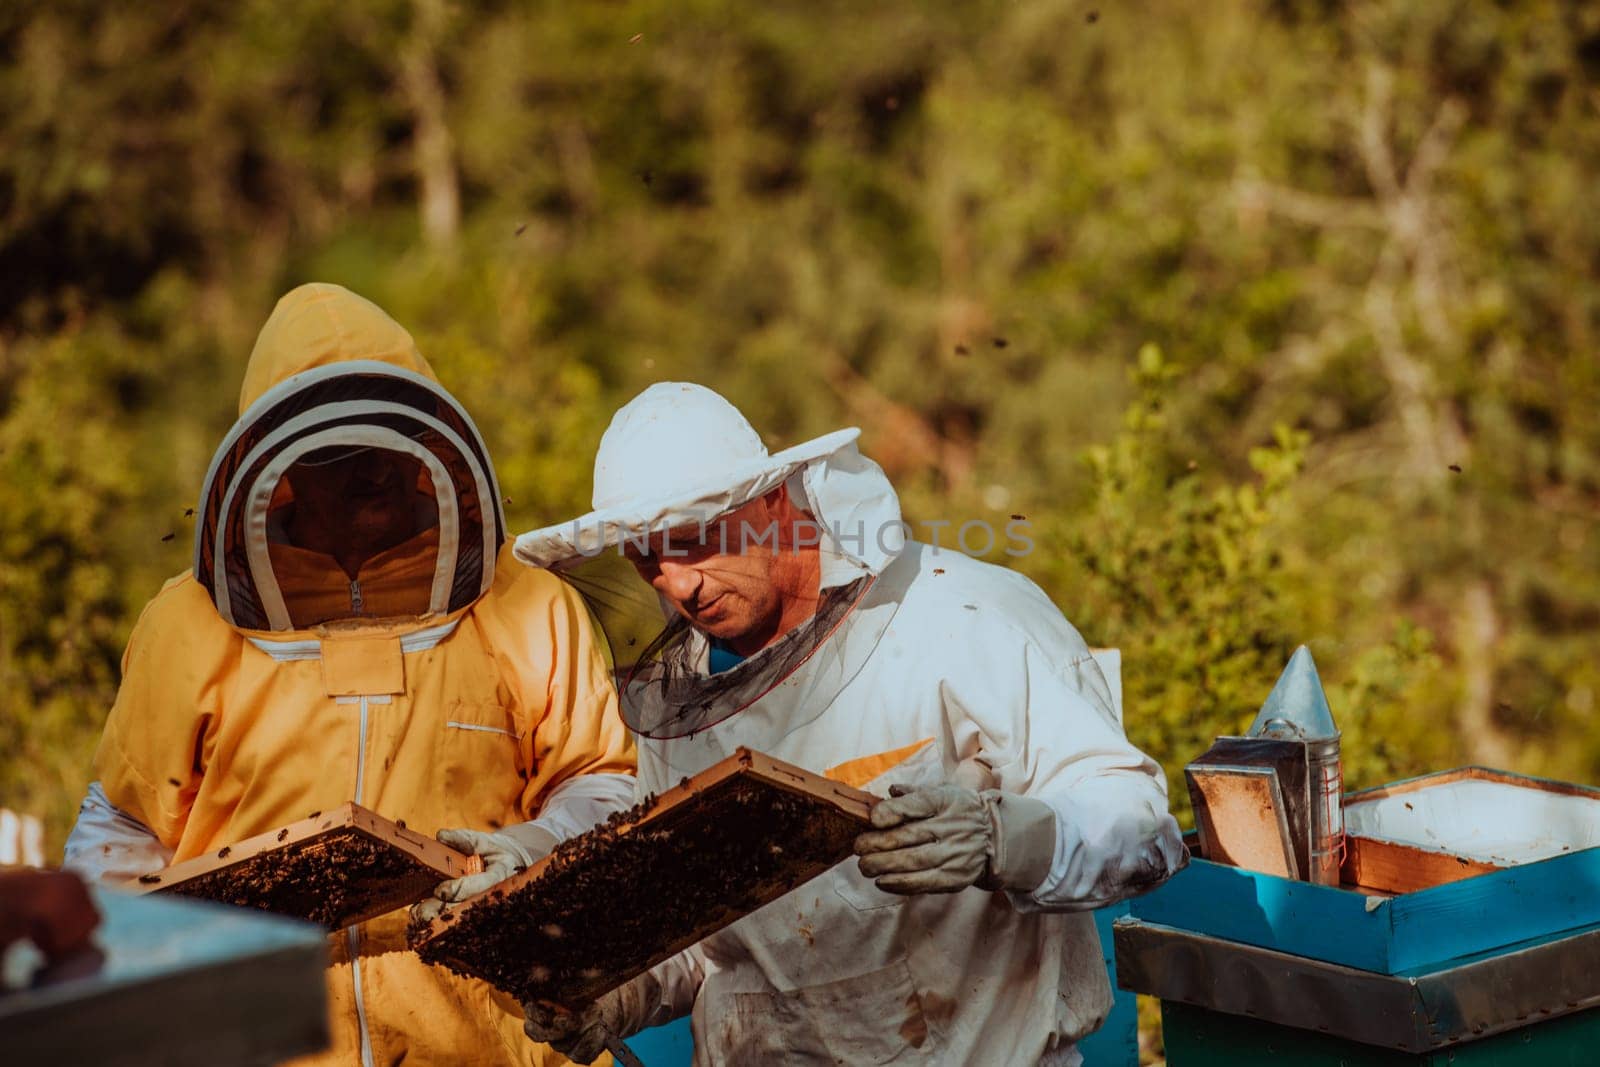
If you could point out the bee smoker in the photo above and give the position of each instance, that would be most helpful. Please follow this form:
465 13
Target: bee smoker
1297 710
1271 800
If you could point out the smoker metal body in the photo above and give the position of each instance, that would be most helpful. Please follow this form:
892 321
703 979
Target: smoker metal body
1270 800
1325 779
1297 710
1252 804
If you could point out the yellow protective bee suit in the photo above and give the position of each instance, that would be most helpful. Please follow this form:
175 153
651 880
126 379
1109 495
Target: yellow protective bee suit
445 691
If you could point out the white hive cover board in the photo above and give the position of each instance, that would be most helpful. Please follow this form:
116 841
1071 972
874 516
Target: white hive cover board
1503 821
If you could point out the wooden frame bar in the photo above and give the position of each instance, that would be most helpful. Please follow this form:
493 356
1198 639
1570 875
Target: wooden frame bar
1470 774
387 866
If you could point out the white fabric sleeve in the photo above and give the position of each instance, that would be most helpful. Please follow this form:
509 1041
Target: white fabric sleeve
1043 722
1114 839
583 800
665 992
108 845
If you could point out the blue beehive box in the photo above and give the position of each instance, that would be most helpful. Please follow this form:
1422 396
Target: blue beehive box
175 983
1471 907
1536 885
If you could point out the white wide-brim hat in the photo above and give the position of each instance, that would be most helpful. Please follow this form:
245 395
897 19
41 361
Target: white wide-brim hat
678 454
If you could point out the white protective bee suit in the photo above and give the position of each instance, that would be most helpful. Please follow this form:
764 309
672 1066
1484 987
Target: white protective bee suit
945 669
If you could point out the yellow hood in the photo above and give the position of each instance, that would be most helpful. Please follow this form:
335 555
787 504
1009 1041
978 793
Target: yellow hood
333 369
317 324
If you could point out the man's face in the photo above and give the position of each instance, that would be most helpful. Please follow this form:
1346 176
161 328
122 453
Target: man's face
723 580
361 499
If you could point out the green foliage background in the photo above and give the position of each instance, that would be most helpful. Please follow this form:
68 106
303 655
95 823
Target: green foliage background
1277 319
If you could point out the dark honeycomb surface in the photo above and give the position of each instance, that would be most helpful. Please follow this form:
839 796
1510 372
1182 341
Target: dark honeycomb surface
608 905
335 878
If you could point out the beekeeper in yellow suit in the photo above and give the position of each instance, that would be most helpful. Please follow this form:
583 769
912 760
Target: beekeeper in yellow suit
352 630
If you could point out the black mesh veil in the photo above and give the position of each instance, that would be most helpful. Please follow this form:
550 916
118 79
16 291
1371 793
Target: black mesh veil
665 687
669 693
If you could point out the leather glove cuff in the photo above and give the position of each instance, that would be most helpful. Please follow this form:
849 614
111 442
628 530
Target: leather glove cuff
1022 836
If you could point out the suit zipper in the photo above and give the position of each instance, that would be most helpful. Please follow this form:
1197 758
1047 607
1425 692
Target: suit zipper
353 933
357 601
361 754
353 938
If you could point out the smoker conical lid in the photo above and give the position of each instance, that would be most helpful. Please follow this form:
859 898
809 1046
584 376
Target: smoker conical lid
1296 708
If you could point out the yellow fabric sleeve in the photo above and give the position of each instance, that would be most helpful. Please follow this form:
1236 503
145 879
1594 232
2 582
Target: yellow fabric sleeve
155 745
549 655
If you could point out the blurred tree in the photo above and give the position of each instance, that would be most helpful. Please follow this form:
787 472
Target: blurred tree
1365 233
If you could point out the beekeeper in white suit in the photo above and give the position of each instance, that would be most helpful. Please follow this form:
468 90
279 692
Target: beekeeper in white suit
806 626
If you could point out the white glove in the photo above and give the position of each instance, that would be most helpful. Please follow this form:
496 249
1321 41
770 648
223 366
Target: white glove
505 853
944 838
581 1035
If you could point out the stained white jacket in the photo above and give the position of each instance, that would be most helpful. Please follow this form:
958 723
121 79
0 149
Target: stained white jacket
947 664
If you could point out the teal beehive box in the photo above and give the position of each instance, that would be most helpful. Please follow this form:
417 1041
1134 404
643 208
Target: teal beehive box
1455 917
1467 929
170 982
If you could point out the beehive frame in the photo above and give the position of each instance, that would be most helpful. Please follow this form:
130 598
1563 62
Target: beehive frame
616 901
298 869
